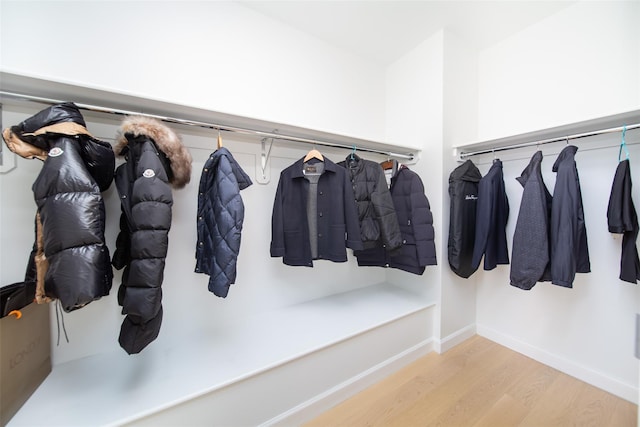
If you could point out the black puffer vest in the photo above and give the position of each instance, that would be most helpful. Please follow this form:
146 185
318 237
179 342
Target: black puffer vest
376 212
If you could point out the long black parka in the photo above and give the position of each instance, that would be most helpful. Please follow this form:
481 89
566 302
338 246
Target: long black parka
155 161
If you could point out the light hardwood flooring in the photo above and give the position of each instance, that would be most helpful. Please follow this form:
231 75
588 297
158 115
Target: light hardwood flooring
480 383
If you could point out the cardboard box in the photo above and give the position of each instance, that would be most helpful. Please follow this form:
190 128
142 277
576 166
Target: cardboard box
25 357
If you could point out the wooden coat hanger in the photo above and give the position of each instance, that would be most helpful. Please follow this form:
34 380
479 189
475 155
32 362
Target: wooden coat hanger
219 139
313 154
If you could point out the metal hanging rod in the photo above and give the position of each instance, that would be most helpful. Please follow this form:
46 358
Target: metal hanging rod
465 154
217 126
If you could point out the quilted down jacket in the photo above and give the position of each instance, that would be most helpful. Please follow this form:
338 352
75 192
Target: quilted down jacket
530 250
376 213
70 260
220 218
416 227
568 232
463 194
155 160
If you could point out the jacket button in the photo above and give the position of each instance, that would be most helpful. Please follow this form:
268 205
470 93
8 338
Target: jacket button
321 193
404 241
206 170
320 214
199 218
200 243
386 265
319 234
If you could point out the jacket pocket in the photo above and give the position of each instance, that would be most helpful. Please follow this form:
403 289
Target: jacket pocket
293 245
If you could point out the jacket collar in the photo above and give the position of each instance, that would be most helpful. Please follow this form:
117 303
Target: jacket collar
532 167
566 154
298 167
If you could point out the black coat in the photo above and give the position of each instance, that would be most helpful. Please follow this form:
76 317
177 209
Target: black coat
416 225
337 216
155 158
376 213
220 218
530 250
491 220
463 194
71 212
622 218
569 249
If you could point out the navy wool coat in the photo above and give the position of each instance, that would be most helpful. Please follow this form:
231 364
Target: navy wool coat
220 218
337 216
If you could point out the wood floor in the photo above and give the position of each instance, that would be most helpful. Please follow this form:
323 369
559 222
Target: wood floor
480 383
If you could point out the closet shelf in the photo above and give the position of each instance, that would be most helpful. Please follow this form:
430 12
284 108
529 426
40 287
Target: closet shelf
568 132
19 87
115 388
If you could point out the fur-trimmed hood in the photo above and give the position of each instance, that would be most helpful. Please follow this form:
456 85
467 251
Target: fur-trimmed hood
165 139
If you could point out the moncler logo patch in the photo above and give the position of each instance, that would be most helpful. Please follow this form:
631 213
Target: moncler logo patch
55 152
149 173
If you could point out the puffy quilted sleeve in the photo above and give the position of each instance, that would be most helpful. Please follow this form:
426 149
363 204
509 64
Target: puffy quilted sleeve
422 223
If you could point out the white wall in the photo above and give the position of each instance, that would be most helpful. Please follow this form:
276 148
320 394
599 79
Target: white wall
216 55
578 64
414 118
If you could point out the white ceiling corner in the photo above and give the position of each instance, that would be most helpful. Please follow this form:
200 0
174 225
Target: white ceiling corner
384 30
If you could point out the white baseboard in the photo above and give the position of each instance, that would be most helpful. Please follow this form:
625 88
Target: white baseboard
452 340
583 373
328 399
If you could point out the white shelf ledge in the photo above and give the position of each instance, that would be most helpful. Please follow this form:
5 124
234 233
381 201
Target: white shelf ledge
114 388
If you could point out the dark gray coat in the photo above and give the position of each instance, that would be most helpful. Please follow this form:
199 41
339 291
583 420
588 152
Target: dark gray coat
530 251
220 218
569 249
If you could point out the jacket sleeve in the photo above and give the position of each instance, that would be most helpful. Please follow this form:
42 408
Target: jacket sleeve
277 223
141 293
484 216
564 230
422 223
351 219
386 212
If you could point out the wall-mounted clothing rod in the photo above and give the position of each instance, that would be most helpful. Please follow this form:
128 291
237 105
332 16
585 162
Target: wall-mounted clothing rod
216 126
465 154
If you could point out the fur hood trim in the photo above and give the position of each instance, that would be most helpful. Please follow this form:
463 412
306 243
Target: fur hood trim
166 140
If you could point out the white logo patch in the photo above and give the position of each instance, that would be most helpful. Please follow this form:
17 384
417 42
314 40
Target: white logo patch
55 152
149 173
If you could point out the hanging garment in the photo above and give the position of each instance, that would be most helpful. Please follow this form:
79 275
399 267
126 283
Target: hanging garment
569 250
622 218
418 248
70 260
314 214
491 220
220 218
376 213
155 159
530 250
463 194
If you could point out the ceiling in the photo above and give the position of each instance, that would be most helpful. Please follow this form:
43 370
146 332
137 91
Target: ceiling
384 30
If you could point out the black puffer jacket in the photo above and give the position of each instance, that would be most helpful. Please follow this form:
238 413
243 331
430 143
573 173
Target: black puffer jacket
155 158
70 258
220 218
463 194
376 213
416 225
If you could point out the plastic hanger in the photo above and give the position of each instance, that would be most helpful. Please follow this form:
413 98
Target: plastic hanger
313 154
219 139
623 143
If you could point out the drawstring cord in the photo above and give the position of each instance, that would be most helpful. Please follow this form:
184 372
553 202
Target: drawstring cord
60 317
